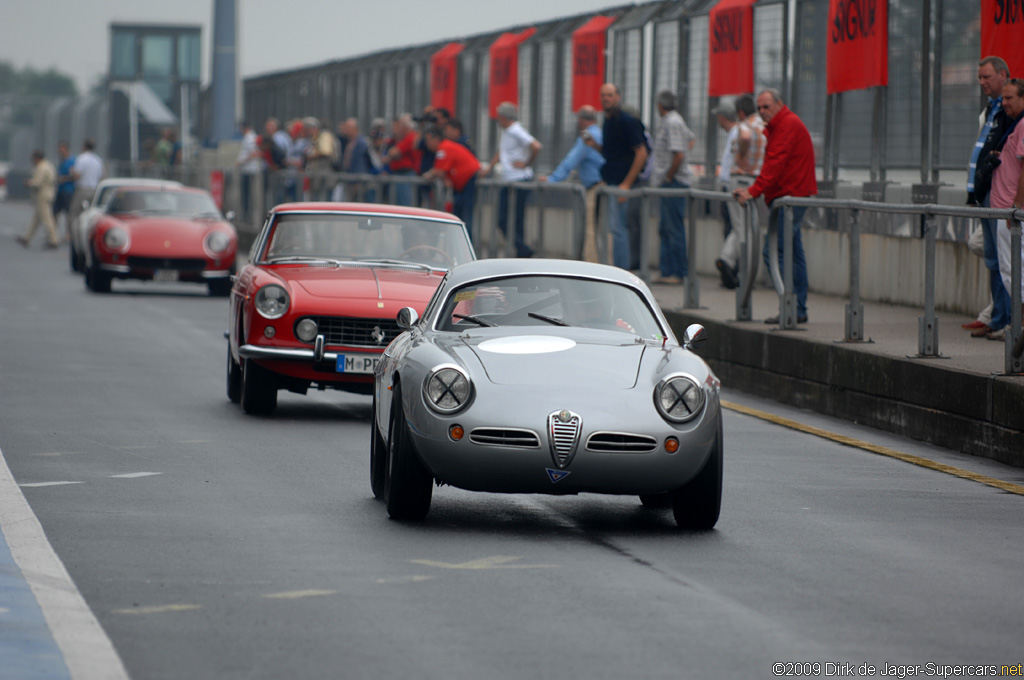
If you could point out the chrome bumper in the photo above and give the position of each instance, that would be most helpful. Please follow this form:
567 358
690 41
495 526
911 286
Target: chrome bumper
281 354
205 274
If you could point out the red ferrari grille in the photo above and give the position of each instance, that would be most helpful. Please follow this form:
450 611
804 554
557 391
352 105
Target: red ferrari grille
354 332
185 264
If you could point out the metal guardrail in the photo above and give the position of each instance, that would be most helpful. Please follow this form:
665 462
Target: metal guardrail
319 186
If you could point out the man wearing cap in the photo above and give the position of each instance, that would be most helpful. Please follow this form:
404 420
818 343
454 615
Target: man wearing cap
458 166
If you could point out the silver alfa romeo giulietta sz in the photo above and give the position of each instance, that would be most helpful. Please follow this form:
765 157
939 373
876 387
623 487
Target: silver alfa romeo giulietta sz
546 376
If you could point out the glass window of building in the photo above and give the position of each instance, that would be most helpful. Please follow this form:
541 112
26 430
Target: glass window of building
157 55
188 57
122 55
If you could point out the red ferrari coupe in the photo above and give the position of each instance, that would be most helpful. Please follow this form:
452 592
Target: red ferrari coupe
316 305
161 234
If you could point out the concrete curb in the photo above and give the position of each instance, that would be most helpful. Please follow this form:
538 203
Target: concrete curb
918 398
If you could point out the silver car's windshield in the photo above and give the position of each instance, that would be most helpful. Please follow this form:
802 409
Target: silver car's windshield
549 301
367 238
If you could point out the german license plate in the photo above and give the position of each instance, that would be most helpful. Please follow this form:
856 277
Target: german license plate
165 275
357 363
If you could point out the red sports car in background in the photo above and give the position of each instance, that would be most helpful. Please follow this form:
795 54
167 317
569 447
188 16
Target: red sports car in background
316 305
161 234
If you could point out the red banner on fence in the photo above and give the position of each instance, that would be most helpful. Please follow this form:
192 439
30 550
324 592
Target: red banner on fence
444 69
1002 33
857 49
589 61
731 45
504 83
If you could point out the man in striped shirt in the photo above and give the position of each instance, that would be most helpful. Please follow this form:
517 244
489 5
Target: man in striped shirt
748 155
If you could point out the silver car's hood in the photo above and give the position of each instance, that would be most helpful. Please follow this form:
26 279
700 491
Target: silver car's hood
611 360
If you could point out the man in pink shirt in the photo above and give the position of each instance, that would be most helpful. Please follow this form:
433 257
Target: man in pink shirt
1008 182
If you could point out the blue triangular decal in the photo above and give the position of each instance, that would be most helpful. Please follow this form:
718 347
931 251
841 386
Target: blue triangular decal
556 475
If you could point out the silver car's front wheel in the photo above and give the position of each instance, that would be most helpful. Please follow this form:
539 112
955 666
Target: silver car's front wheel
407 484
697 504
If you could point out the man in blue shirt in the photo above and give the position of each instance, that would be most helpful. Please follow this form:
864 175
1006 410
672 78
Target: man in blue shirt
625 153
586 161
65 189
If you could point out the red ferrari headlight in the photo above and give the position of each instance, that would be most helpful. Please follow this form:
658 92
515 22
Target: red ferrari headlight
115 239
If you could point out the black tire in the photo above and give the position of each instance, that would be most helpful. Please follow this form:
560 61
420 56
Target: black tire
259 390
219 287
656 501
96 280
72 258
697 504
234 378
407 484
378 456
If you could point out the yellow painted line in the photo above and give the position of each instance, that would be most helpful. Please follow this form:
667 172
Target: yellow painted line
159 609
880 450
496 562
298 594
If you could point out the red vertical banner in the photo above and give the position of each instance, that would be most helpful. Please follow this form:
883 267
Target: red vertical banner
444 69
504 74
857 48
217 187
731 48
589 62
1002 33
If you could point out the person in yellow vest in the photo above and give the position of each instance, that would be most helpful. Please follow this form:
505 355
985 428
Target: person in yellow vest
43 184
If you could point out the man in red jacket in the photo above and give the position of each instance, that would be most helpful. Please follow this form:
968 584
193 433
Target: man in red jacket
458 167
788 170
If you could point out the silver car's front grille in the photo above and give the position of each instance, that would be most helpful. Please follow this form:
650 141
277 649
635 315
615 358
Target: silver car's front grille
564 435
621 442
503 436
356 332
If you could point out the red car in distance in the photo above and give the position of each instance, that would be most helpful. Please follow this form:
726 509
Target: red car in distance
316 304
161 234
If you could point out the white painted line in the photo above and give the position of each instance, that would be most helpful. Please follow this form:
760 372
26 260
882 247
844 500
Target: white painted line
297 594
134 475
158 609
36 485
416 578
88 652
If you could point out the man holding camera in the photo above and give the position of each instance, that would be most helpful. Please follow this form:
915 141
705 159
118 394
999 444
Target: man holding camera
586 160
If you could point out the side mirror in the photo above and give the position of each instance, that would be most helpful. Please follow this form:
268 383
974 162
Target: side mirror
85 204
230 216
694 335
407 318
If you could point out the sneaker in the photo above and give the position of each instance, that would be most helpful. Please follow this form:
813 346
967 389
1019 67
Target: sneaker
22 240
974 325
729 276
667 279
801 318
981 332
999 335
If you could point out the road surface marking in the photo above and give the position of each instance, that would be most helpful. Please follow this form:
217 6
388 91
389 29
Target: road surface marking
134 475
297 594
1009 487
157 609
496 562
405 579
35 485
88 652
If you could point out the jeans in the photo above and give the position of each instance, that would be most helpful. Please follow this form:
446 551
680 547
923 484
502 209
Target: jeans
799 263
618 225
403 190
1000 295
463 203
672 231
522 250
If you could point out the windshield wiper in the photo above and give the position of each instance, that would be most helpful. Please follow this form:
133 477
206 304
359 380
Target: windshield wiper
549 319
208 215
475 319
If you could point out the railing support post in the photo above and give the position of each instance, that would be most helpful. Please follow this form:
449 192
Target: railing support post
854 309
1015 336
787 307
692 283
927 325
744 308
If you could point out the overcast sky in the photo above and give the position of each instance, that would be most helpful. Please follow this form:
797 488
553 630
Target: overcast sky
73 36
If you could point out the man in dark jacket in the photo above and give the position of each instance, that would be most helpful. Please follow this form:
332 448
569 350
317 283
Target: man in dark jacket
788 170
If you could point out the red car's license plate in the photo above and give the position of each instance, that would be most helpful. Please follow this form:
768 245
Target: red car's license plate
357 363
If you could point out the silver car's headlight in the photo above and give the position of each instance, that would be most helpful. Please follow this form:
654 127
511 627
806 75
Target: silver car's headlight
115 239
272 301
679 398
447 389
216 242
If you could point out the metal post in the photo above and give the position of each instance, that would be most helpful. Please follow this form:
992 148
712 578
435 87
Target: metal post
510 220
927 325
540 218
692 283
854 309
645 209
787 308
837 117
1015 364
604 228
829 137
580 220
744 310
